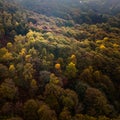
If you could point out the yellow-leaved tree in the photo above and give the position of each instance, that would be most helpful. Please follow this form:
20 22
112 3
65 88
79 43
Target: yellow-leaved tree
71 70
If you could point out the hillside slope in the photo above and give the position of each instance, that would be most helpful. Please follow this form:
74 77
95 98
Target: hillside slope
75 10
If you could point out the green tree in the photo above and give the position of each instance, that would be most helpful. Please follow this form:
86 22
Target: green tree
7 109
65 115
86 75
8 90
80 89
45 113
70 100
54 79
98 80
83 117
53 102
96 103
28 72
3 71
30 110
53 96
33 88
43 79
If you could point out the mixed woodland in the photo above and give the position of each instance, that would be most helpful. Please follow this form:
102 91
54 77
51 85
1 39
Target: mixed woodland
59 60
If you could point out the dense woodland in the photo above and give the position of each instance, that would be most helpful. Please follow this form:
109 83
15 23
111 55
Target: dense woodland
59 60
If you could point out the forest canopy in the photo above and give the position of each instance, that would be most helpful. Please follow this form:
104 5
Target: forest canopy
59 60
